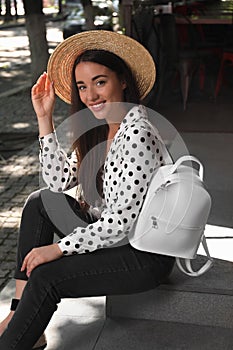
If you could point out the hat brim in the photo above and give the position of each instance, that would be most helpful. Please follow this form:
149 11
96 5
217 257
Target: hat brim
62 60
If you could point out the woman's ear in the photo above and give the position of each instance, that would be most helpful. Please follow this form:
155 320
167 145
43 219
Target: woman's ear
123 84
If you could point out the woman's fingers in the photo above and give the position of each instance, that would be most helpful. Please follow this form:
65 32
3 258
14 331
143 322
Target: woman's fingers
42 84
47 83
23 267
40 255
32 260
32 265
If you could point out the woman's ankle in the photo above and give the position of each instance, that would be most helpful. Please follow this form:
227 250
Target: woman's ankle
4 323
6 320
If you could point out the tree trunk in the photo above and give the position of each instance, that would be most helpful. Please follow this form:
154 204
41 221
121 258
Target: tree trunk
16 8
36 30
8 15
60 7
89 14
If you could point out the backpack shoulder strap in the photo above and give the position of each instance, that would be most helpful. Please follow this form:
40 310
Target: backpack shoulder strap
166 155
188 270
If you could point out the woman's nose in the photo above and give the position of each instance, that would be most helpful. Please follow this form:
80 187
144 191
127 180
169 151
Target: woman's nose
92 94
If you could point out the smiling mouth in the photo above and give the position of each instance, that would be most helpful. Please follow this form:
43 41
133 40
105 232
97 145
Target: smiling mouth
97 107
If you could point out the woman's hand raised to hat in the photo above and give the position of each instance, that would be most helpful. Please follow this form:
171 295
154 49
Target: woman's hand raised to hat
43 100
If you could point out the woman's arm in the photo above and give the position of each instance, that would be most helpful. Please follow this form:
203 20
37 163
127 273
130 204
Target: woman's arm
59 171
43 100
125 186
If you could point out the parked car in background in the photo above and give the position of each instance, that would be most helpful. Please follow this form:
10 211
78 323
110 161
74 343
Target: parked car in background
76 23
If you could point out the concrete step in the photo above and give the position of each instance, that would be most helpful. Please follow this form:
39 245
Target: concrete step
128 334
206 300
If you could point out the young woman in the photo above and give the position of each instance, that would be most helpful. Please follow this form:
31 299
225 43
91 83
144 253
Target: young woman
113 159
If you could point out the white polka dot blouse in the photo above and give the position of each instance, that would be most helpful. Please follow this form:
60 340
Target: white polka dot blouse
134 155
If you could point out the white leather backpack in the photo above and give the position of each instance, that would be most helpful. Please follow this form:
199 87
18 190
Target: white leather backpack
174 214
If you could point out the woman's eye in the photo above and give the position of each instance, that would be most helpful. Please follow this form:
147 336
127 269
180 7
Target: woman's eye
81 87
100 82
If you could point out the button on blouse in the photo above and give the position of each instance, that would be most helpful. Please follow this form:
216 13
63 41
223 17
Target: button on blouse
134 155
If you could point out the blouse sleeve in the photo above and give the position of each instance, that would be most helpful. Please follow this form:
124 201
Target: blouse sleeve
58 170
126 180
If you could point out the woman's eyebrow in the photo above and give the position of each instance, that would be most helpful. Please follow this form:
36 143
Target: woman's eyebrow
99 76
93 79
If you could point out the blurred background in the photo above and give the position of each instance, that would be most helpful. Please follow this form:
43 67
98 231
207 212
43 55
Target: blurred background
191 41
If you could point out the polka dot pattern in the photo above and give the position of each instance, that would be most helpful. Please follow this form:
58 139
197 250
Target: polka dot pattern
59 171
134 155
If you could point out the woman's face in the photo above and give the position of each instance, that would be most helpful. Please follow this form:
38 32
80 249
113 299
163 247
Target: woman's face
98 87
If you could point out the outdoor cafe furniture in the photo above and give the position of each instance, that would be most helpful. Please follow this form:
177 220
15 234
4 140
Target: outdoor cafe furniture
160 29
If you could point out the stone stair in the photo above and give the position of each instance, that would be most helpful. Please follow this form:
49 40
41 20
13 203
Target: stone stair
184 313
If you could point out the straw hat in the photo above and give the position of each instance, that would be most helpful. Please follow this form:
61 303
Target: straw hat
61 61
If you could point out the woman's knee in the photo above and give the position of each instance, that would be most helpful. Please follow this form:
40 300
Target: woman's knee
31 207
33 199
34 206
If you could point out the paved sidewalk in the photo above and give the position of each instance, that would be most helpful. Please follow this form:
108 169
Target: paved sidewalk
19 173
18 177
19 169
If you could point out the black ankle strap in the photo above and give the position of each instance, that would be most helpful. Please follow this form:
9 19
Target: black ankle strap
14 304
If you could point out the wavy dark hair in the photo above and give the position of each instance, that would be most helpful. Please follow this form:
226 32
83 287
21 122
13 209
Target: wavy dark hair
90 175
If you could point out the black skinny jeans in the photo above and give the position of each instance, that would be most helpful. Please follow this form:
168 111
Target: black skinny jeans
109 271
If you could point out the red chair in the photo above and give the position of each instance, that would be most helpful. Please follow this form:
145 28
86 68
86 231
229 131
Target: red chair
227 58
183 60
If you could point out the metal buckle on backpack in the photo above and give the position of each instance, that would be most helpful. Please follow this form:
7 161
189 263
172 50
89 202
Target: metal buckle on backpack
154 222
161 187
